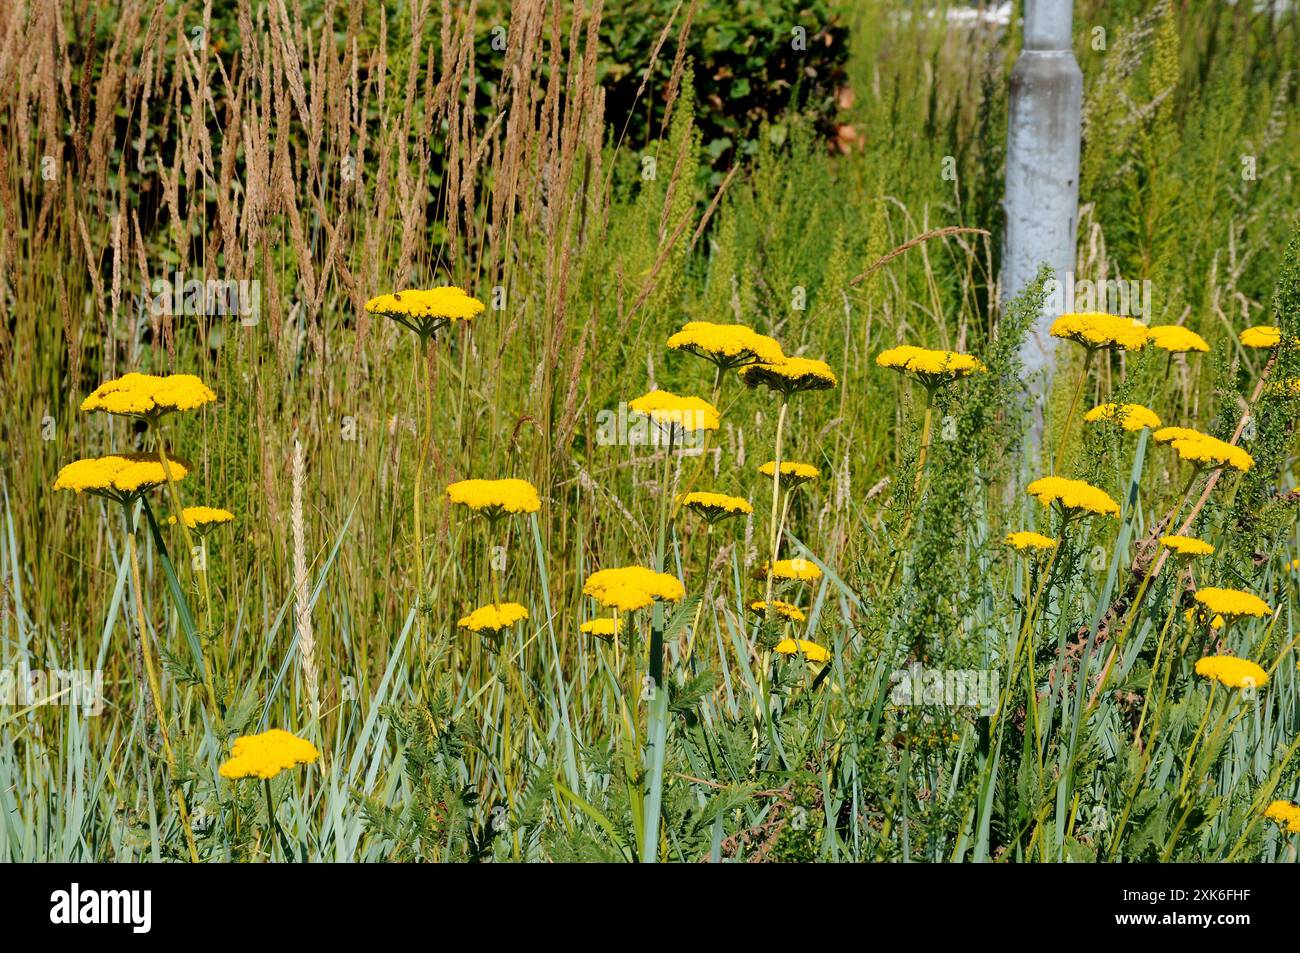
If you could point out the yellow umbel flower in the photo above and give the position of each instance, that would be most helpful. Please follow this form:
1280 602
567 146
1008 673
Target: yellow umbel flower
1176 339
493 618
1232 602
1132 417
266 755
1096 329
1074 496
200 517
1232 671
792 473
929 366
632 587
726 345
715 506
798 569
1286 814
148 396
492 498
602 628
1212 452
784 609
1026 539
691 414
790 376
1186 545
119 477
426 311
1262 336
810 650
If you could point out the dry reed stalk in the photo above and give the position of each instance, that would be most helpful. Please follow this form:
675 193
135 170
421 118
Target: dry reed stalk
301 590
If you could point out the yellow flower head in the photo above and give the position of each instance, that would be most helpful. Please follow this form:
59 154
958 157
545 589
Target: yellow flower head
1262 335
632 587
715 506
792 473
1095 329
1176 339
1026 539
1132 417
930 367
200 517
726 345
790 376
119 477
1232 602
784 609
1187 545
494 618
603 628
1170 434
810 650
1232 671
1211 452
1074 496
426 311
148 396
798 569
1286 814
690 414
266 755
495 497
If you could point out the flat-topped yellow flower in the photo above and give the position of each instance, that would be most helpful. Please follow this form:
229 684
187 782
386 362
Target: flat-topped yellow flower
690 414
1261 336
1286 814
1211 452
1132 417
494 618
1170 434
202 517
784 609
726 345
790 376
1094 329
632 587
1186 545
149 396
120 476
810 650
1027 539
792 472
1073 496
931 367
602 628
715 506
1176 339
493 498
426 310
798 569
1232 602
1232 671
267 754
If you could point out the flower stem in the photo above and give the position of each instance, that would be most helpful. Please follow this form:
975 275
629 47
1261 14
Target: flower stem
1069 417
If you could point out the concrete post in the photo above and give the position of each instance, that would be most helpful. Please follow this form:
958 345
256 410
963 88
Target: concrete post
1042 188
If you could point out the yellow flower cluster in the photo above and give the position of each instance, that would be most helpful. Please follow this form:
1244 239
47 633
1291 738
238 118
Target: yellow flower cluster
783 609
810 650
120 476
796 569
426 310
632 587
1204 450
266 755
149 396
1132 417
1096 329
689 413
494 497
1170 434
715 506
1232 671
791 470
1073 495
790 376
726 345
493 618
1187 545
1025 539
931 367
1286 814
199 516
1232 602
1261 336
1176 339
603 628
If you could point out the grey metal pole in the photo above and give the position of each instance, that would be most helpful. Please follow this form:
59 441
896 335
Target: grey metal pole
1042 188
